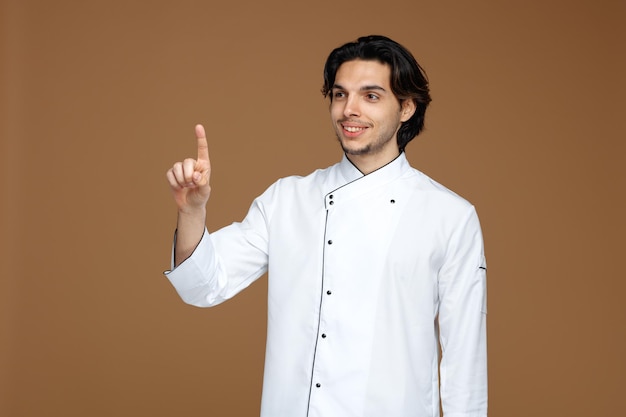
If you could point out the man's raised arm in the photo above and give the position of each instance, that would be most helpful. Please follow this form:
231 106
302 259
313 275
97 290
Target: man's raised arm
189 182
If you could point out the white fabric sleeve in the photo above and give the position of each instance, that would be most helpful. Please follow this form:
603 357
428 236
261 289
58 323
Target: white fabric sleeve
224 262
463 323
193 278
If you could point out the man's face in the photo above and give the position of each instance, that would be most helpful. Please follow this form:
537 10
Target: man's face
365 113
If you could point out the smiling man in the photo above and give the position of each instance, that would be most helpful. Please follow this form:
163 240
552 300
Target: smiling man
377 274
366 113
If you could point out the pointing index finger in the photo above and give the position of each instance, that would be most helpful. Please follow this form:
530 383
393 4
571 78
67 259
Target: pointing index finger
203 147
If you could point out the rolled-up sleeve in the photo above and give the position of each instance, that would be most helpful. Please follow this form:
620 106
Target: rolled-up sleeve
197 276
225 262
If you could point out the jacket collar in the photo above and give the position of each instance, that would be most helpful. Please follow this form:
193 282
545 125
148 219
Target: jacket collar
387 172
348 181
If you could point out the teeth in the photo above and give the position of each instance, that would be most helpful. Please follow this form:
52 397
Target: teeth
353 129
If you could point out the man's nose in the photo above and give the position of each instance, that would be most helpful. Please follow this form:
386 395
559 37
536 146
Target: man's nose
352 108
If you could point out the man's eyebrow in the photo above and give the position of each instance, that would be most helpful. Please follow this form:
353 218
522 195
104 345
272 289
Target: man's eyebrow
364 88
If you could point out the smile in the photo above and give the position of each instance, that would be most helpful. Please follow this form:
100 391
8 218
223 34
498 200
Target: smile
353 129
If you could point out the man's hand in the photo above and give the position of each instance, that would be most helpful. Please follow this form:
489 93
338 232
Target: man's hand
189 179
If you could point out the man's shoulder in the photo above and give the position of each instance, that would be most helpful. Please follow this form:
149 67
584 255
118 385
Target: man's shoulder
425 184
313 177
300 183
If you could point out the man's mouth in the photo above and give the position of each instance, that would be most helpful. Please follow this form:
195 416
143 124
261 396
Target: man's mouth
353 129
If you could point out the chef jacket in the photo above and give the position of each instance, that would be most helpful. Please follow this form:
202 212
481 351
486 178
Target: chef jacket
376 293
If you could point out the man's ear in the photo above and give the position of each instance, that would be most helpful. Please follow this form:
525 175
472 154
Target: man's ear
407 110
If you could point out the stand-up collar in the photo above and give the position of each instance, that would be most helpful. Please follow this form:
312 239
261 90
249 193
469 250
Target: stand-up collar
387 172
348 181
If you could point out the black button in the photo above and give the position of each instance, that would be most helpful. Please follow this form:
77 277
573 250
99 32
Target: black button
329 292
323 335
331 203
330 196
318 385
393 201
330 242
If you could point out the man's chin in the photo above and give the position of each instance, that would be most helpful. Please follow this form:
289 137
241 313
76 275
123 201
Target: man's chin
352 149
355 151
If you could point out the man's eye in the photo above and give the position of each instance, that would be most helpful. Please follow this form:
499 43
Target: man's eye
339 94
372 96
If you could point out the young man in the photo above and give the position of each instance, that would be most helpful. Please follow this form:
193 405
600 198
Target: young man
373 266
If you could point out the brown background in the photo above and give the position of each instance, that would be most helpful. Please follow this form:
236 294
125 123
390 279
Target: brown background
99 98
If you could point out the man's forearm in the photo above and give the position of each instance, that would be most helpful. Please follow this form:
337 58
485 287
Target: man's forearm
189 231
